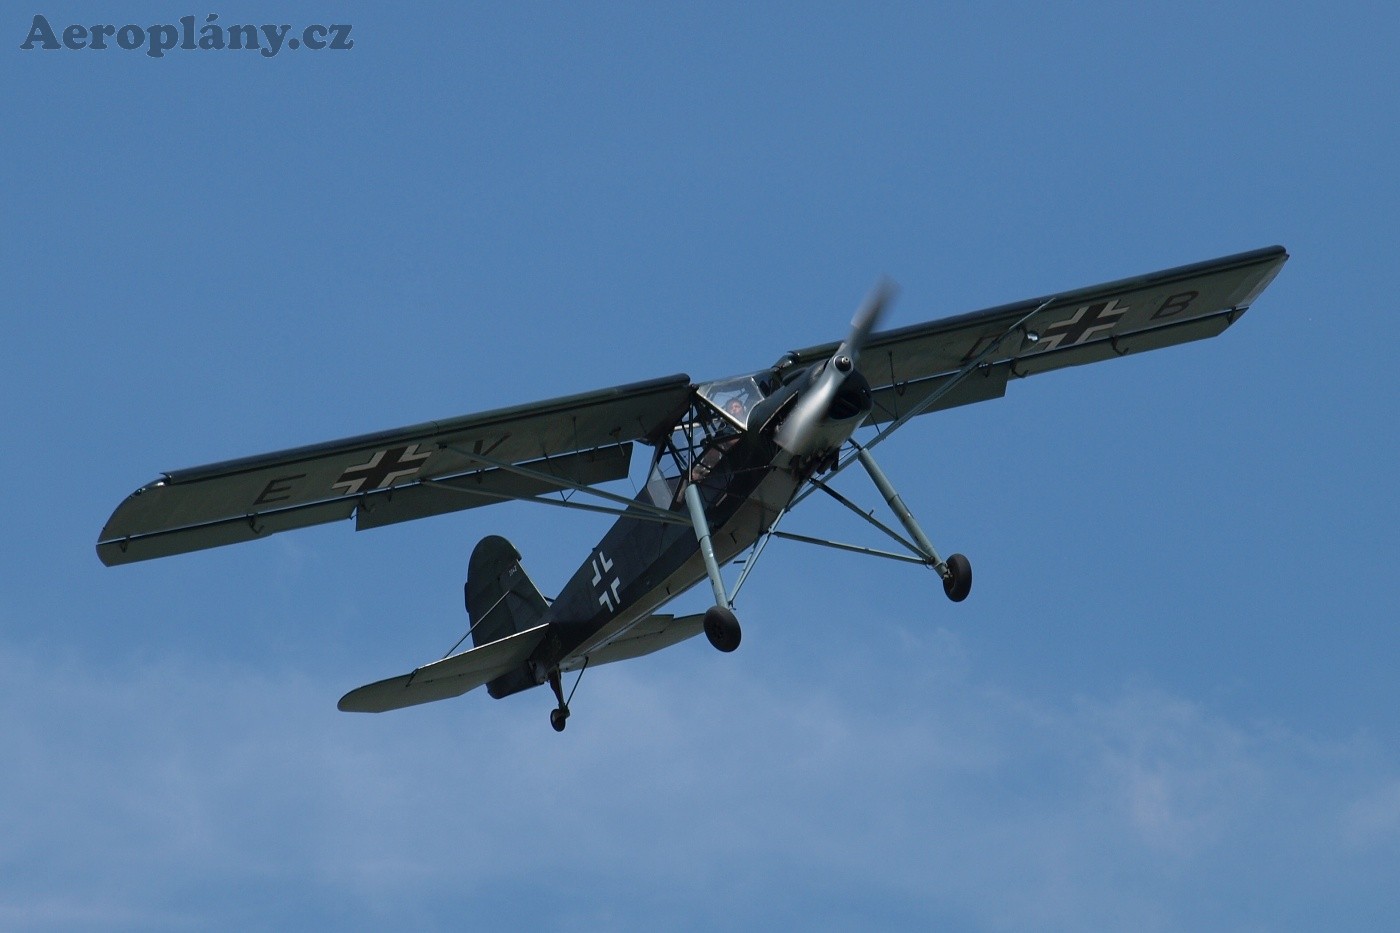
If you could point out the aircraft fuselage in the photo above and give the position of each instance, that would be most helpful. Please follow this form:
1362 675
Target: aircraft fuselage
641 564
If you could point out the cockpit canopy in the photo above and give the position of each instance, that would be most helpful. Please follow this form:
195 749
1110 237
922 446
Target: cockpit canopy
735 397
695 451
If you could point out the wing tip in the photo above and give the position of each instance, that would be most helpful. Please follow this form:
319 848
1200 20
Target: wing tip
375 697
348 704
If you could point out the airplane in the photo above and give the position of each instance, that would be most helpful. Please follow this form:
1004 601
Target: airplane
729 458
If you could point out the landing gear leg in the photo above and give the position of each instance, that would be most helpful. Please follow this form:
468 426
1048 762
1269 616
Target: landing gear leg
721 625
956 571
559 717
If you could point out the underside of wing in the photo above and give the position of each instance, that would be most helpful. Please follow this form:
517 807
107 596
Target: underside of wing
969 358
398 475
450 677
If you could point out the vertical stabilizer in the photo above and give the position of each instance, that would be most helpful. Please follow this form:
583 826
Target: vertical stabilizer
501 599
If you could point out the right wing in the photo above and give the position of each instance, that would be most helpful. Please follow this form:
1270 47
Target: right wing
969 358
394 476
650 634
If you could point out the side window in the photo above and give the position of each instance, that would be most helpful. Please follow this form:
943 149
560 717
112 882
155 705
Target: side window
694 453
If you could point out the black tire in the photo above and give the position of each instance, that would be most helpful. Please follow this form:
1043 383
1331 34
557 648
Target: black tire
722 628
959 581
558 719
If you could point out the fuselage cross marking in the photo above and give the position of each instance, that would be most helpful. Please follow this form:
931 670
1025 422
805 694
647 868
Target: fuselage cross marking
609 596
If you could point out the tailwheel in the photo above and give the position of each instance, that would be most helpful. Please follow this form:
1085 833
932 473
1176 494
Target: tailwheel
722 628
559 716
958 583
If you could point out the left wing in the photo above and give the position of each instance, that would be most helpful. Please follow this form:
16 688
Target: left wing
450 677
393 476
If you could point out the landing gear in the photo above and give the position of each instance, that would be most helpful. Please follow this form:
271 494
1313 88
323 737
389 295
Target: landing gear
956 571
722 628
559 717
958 583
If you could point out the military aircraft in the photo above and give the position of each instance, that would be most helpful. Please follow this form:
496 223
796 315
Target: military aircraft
729 458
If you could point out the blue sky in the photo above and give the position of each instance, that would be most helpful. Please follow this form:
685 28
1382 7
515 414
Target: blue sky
1169 702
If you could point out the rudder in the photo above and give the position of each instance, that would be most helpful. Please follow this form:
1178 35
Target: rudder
501 599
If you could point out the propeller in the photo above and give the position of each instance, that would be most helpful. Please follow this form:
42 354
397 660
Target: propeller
800 428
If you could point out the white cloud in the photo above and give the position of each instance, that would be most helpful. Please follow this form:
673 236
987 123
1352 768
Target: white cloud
1373 821
693 787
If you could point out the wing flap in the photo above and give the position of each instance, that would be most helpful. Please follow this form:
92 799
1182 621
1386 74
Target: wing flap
450 677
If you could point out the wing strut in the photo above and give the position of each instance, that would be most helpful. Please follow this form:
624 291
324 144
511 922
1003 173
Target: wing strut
956 571
632 506
752 559
967 369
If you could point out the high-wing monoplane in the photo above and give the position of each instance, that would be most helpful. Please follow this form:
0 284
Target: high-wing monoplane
729 458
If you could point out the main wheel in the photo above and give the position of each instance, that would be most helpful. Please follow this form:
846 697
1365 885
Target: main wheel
959 580
722 628
558 719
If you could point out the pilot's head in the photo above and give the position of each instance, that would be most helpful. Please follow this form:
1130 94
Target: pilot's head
735 407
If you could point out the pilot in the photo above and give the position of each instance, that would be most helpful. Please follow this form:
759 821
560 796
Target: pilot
735 406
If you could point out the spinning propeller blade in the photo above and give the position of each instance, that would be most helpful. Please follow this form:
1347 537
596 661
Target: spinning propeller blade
799 429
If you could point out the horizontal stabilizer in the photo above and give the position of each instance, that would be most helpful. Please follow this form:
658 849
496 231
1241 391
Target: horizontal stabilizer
651 634
450 677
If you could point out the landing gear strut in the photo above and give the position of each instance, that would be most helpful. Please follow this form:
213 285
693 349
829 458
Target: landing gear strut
956 571
721 625
559 717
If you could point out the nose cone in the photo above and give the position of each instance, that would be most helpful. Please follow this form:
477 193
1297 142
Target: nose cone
825 424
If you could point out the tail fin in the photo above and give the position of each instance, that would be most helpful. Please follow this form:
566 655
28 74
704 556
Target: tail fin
501 600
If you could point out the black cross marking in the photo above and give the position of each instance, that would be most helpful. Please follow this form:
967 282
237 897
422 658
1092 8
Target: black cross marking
382 470
1087 322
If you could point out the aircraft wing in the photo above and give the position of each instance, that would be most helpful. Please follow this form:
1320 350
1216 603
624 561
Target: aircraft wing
392 476
969 358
